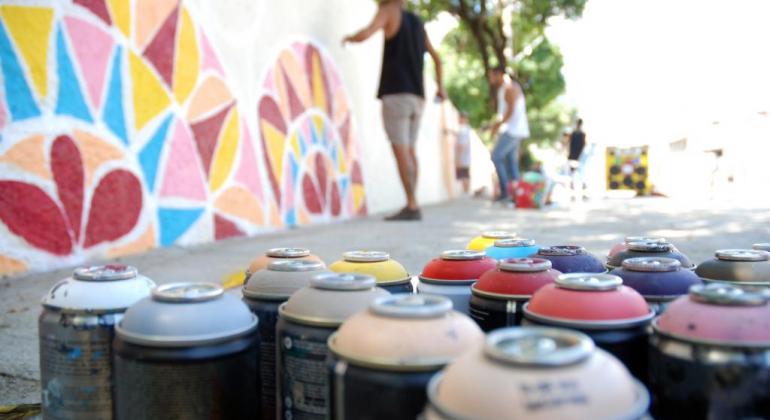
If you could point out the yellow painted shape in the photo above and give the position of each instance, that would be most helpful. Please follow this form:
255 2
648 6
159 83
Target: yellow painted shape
358 196
150 98
29 154
153 13
187 66
295 72
239 202
233 280
295 145
145 242
225 154
121 15
319 92
95 152
341 166
30 28
388 271
210 95
275 144
318 122
10 265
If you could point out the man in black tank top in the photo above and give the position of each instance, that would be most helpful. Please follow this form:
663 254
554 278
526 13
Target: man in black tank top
401 89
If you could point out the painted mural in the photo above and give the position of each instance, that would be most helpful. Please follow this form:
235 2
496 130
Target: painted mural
118 133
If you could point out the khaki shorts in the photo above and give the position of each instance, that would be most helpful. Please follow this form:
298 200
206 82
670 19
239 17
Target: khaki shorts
401 114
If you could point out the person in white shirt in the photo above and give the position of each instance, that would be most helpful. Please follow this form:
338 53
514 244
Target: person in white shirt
463 153
511 127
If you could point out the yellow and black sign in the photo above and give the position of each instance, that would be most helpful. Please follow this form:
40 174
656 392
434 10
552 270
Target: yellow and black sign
627 169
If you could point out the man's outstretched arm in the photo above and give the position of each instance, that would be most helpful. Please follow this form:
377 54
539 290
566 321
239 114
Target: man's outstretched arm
379 21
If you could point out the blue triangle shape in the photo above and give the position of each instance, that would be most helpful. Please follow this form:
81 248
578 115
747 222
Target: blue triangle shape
21 104
70 99
113 114
150 154
175 222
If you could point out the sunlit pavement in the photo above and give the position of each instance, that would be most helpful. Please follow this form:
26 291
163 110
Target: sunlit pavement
696 228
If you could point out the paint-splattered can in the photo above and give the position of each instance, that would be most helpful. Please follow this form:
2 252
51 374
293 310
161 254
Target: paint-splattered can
453 273
536 373
391 351
497 298
649 249
263 293
512 248
487 239
189 351
658 280
76 328
571 259
616 317
710 355
623 246
305 323
276 254
744 267
390 274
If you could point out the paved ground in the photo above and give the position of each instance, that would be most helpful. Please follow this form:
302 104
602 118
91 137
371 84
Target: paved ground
697 229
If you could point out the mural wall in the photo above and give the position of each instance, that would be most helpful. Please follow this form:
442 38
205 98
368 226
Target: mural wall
119 133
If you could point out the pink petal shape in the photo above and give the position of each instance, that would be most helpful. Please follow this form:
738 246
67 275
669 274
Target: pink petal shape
67 168
248 169
29 212
183 176
210 60
115 207
93 50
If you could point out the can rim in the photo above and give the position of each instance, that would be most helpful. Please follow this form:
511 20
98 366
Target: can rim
724 294
256 295
514 242
307 320
421 364
651 264
746 255
635 411
562 250
537 346
287 252
497 296
703 341
342 281
411 306
462 255
588 324
761 246
406 279
107 272
599 282
445 282
498 234
295 265
365 256
629 239
525 265
185 292
645 246
184 341
760 284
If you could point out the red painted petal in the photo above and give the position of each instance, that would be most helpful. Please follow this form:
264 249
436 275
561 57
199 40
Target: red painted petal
115 207
310 194
268 110
160 51
295 105
67 168
336 205
30 213
206 134
224 228
321 177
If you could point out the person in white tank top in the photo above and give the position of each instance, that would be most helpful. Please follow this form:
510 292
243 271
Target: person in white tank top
511 127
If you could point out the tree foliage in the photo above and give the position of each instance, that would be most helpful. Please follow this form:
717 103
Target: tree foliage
511 32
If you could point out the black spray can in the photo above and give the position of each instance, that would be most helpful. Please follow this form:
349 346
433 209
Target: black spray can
188 352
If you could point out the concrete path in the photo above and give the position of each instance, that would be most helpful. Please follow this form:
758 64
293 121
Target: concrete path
697 229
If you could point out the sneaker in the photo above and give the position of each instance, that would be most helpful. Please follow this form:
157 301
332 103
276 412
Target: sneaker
406 214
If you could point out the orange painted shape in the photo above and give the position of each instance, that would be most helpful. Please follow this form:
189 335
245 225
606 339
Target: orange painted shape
153 13
29 155
211 95
95 152
10 265
239 202
297 76
145 242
